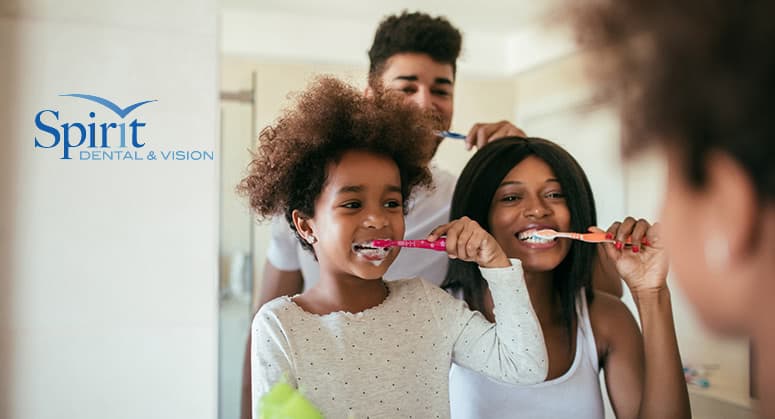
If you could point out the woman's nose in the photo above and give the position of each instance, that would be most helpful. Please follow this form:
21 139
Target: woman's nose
536 209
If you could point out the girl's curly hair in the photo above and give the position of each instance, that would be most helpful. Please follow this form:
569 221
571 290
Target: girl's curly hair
289 168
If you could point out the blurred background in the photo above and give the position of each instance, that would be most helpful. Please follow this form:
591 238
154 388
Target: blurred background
127 288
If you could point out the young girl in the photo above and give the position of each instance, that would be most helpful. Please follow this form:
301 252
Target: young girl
340 167
514 186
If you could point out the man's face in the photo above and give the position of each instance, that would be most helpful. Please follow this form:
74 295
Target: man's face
425 82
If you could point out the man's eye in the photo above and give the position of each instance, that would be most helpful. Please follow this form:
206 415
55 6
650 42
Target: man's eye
439 92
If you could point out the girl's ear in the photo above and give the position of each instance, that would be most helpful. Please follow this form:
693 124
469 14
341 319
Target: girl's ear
304 226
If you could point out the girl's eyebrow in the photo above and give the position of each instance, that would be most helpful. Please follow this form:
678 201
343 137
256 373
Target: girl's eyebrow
360 188
350 188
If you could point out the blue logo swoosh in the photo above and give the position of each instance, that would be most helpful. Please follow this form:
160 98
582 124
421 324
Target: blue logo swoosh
110 105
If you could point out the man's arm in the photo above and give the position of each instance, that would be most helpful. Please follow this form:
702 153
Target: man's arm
275 283
483 133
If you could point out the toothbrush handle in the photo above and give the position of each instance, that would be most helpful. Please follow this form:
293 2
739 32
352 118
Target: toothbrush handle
450 134
440 244
595 238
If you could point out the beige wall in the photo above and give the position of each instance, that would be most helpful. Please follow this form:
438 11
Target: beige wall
108 287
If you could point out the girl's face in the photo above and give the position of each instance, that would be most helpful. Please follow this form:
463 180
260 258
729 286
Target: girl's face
361 201
530 198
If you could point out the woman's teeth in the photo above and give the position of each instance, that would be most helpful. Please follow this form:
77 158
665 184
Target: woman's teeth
528 236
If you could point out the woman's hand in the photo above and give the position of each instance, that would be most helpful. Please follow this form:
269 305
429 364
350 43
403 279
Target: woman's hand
468 241
644 265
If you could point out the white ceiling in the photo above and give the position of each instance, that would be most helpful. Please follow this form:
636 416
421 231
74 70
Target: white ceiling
508 37
498 16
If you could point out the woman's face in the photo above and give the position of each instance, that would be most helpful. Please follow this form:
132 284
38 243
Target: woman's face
530 198
361 201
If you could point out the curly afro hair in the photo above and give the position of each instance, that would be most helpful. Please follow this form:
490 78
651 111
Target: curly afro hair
692 75
414 32
289 168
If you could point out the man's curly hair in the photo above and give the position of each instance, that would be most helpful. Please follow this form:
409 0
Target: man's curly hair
692 75
289 168
414 32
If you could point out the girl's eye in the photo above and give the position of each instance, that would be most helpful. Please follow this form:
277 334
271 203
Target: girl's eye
555 195
393 204
352 205
510 198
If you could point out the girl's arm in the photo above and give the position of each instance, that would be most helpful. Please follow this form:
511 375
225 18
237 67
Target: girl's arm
644 374
511 350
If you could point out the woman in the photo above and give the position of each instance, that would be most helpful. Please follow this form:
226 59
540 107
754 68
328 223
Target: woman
514 186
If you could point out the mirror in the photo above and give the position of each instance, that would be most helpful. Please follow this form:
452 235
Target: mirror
513 67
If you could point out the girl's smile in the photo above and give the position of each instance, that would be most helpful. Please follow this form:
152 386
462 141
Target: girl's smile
375 255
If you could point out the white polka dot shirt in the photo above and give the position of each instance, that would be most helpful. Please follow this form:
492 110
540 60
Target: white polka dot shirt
393 360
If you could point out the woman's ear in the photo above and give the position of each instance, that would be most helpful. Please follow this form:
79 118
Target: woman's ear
304 226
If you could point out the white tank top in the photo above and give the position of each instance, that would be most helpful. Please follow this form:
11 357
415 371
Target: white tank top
576 394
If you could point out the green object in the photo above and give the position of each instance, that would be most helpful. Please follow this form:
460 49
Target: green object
285 402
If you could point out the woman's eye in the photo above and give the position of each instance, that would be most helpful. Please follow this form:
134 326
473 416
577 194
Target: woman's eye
555 195
509 198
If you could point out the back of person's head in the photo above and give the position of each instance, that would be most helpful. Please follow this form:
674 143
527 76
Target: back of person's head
289 169
414 33
473 197
697 76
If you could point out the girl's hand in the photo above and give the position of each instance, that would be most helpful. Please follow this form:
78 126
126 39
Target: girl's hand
644 265
468 241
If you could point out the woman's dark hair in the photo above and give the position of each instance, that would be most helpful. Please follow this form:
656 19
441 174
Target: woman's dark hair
696 76
289 169
473 198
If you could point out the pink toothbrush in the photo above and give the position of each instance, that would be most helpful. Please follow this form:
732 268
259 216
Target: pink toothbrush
440 244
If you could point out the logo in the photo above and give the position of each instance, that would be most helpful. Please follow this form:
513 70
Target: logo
112 135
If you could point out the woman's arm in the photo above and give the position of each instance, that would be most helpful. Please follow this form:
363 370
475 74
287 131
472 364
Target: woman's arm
646 369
